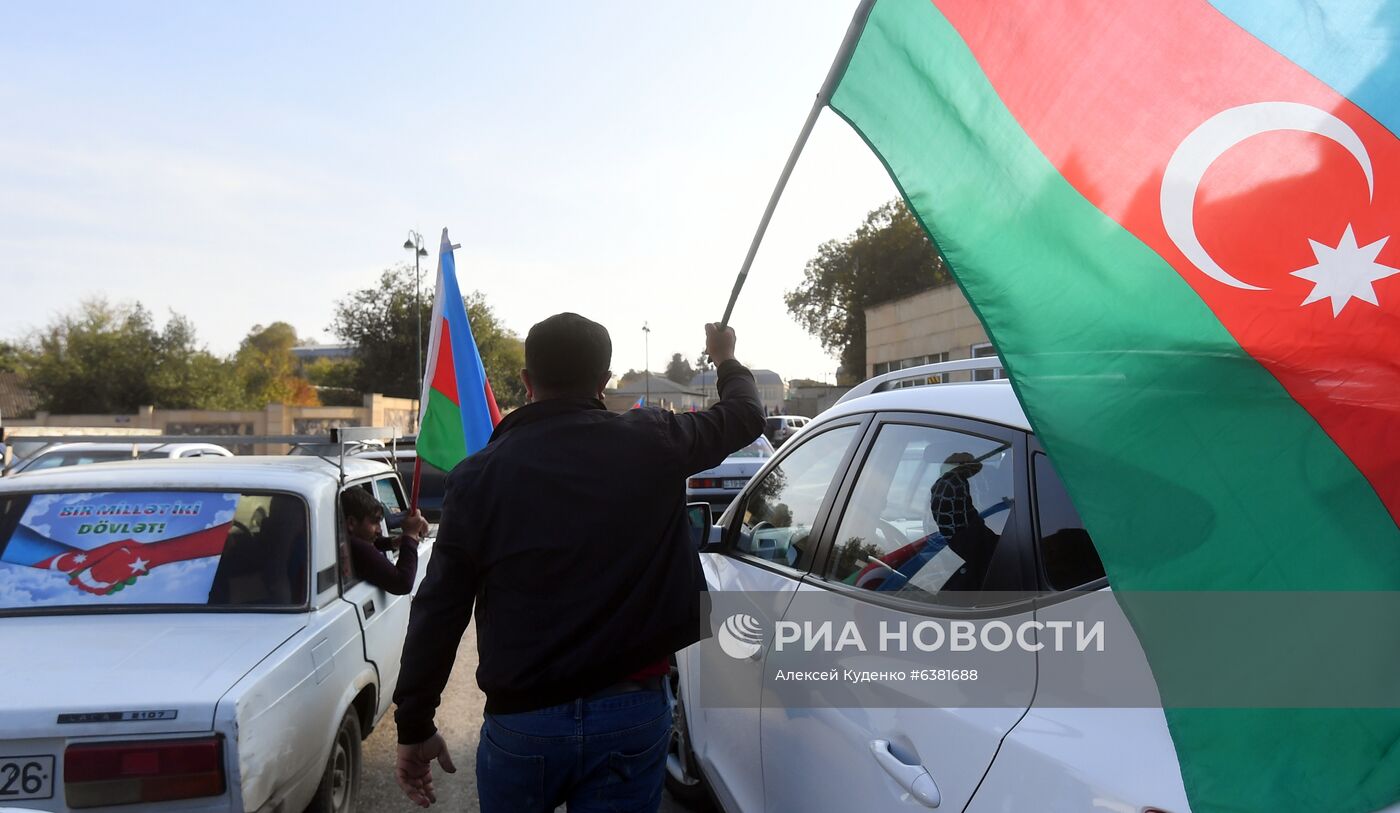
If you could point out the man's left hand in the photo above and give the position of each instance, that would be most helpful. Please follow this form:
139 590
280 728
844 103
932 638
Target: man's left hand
415 768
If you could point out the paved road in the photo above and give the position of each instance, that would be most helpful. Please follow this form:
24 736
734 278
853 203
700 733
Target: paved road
459 717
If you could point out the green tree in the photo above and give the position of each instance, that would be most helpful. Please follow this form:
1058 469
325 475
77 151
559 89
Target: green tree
679 370
10 359
382 324
106 358
887 257
853 554
187 376
268 370
334 381
502 352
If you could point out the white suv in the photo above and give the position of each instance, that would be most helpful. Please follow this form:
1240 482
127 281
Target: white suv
840 513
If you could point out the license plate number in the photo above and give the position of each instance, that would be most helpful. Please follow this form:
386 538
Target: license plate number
734 483
26 778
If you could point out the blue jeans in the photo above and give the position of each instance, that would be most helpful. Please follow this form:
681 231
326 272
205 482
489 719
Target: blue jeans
605 754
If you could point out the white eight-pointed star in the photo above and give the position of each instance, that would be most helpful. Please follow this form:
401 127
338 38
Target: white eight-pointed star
1346 272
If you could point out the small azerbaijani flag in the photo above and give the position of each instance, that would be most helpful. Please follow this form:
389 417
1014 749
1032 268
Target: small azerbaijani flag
458 411
1173 221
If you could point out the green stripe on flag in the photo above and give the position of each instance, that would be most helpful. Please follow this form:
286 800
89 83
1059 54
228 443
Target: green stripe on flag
1192 467
441 441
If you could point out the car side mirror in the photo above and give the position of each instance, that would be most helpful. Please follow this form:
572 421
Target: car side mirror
700 518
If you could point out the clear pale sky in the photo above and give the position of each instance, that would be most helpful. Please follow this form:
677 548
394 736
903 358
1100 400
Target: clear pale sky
253 162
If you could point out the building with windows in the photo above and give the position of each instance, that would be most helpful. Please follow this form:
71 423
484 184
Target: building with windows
931 326
312 352
663 392
772 390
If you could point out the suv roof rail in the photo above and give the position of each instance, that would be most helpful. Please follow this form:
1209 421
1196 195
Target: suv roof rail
881 383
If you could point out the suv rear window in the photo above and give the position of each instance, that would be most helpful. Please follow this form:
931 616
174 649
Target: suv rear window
176 549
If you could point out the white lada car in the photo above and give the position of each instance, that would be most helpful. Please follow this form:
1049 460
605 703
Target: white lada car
189 635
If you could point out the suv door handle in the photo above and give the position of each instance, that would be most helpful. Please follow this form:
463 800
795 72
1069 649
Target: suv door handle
368 607
913 778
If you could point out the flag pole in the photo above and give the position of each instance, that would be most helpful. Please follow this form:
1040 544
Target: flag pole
417 478
838 67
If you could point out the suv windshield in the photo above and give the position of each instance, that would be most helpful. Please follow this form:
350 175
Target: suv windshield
181 549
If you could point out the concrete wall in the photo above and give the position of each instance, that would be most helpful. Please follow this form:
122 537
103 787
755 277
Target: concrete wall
929 323
275 419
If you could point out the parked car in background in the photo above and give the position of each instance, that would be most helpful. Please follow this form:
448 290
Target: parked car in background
59 455
778 428
721 484
194 635
843 514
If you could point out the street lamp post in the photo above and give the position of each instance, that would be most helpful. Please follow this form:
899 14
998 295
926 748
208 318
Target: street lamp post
414 243
646 331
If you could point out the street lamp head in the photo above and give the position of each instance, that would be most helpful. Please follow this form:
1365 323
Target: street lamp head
408 244
422 252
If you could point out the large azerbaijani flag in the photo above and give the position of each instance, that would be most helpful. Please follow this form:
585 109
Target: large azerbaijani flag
458 409
1173 220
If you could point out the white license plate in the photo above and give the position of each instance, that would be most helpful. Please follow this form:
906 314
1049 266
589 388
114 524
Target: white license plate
734 483
26 777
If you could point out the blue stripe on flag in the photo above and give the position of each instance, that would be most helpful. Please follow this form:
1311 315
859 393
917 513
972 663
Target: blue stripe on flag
1348 44
471 375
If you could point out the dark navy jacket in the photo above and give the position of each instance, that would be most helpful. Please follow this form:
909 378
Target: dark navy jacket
568 535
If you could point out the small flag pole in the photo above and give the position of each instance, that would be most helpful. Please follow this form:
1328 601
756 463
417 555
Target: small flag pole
417 478
838 67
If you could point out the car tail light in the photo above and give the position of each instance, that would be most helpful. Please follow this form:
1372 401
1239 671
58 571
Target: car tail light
120 773
705 482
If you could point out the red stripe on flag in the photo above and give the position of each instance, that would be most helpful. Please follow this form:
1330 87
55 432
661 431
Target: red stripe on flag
444 371
491 403
1110 91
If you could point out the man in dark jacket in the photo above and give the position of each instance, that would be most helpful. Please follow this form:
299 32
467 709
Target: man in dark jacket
568 534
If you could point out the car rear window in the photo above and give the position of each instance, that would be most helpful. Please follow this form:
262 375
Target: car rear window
759 448
173 549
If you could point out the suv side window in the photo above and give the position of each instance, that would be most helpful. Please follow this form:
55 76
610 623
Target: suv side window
1065 547
926 515
779 511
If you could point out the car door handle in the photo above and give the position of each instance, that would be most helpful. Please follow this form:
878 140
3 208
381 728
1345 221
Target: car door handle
368 607
913 778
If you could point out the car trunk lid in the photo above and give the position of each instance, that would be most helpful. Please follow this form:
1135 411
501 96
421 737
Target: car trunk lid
128 673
